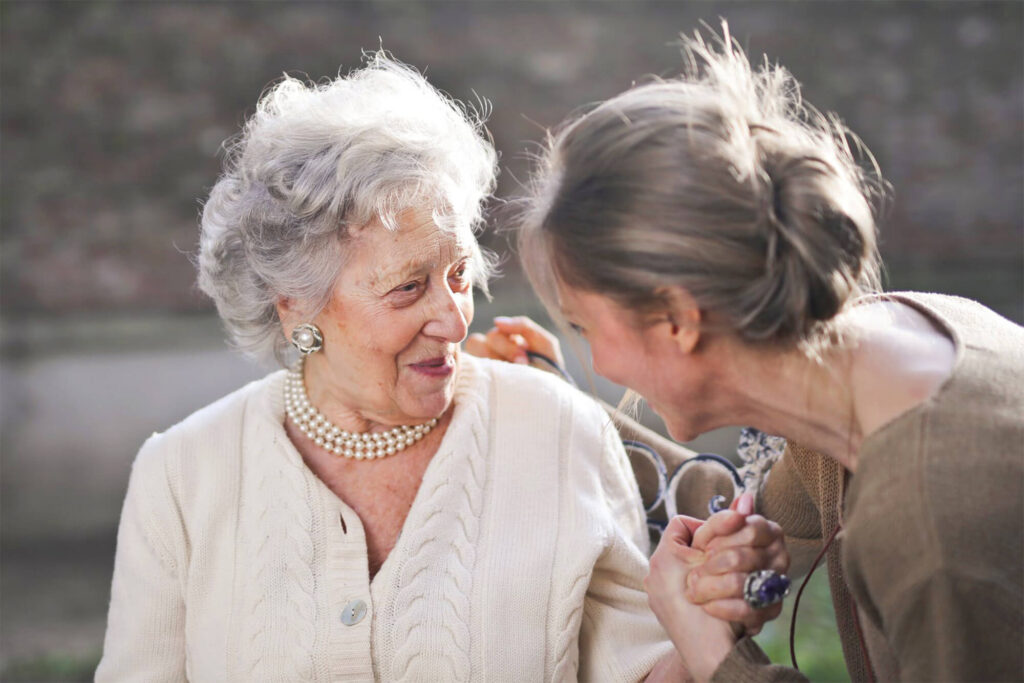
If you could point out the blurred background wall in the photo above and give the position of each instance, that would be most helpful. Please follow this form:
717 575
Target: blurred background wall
112 116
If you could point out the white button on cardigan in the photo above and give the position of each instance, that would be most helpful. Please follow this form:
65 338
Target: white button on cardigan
522 557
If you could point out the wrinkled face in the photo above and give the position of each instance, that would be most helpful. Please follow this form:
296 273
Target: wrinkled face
639 352
392 329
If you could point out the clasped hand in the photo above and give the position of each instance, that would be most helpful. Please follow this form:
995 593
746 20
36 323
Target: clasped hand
695 584
698 571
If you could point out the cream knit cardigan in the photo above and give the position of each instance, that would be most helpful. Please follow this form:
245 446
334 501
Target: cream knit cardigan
521 559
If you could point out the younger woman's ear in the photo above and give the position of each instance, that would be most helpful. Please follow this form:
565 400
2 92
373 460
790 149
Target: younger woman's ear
685 317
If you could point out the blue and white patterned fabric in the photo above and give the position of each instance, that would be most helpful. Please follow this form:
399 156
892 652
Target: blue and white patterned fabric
758 451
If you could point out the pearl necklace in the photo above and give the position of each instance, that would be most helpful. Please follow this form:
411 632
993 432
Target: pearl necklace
361 446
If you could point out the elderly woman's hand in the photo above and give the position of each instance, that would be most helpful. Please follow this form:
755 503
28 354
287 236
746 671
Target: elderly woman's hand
735 543
511 338
701 640
695 584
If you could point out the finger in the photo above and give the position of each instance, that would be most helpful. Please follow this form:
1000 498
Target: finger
676 540
519 341
739 611
691 523
538 338
724 523
476 344
750 625
506 347
680 529
779 561
701 589
757 531
745 559
743 503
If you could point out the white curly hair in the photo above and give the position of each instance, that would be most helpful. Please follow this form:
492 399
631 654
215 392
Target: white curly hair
318 159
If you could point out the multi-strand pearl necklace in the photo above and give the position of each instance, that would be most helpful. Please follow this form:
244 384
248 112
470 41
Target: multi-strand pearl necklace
364 446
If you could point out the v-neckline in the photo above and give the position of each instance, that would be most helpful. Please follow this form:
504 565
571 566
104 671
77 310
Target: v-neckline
444 450
387 566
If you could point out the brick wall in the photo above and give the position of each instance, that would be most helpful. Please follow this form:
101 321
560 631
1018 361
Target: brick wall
112 115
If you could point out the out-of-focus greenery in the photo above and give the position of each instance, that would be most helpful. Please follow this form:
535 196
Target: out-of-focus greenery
818 651
51 667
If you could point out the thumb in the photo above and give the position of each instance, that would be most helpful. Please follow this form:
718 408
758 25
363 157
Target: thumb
721 523
680 530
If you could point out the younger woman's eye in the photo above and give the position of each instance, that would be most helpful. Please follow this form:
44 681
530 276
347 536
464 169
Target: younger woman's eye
577 329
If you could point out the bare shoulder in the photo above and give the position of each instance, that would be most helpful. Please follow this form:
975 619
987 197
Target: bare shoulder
902 358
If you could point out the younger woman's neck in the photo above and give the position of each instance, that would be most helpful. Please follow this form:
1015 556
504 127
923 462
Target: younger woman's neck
787 393
894 359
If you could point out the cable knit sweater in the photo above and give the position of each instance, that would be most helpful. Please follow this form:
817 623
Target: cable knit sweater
521 558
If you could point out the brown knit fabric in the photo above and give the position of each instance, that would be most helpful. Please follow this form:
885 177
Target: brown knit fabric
934 554
826 478
737 667
933 523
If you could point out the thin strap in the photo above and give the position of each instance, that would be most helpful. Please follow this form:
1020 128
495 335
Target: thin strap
860 641
853 608
799 593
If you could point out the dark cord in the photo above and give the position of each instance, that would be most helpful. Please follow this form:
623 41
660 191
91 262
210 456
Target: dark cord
860 641
533 355
853 607
796 602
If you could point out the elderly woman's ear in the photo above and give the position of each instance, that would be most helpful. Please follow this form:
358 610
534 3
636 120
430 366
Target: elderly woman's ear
290 313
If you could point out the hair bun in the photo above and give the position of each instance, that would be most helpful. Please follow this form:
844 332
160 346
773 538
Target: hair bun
722 182
820 241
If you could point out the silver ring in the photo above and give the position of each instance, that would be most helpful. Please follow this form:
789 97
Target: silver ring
765 587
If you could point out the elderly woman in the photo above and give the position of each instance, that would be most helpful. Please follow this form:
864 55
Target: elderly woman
387 508
714 242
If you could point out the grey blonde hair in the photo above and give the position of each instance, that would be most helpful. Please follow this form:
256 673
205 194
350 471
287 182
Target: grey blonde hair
722 182
316 160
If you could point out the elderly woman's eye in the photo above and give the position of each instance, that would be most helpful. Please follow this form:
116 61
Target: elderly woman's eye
461 273
407 288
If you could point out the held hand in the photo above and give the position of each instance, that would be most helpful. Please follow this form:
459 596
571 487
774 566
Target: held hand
511 338
701 640
736 543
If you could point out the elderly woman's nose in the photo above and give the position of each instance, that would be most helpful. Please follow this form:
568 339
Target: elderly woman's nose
448 320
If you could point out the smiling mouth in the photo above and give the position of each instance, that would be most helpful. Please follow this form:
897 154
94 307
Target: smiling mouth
435 367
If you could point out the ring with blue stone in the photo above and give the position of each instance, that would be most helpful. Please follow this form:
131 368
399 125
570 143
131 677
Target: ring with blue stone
764 588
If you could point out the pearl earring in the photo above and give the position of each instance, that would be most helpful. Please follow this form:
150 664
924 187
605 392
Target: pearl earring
307 338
